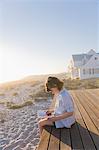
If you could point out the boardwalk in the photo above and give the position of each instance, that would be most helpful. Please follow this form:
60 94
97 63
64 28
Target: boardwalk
84 134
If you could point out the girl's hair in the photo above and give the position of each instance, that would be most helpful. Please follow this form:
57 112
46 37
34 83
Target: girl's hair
53 82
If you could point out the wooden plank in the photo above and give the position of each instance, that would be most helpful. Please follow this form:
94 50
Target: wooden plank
90 109
54 139
45 138
65 141
44 141
75 138
84 135
92 102
95 92
86 139
74 132
94 97
91 128
85 103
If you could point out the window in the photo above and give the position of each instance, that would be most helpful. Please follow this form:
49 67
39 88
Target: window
96 70
96 58
93 71
89 71
83 71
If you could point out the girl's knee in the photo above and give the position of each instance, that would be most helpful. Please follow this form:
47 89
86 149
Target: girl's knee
43 122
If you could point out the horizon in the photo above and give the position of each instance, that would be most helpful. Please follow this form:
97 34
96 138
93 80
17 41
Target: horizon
33 76
39 37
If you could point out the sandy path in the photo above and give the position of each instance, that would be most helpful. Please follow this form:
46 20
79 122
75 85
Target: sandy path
20 130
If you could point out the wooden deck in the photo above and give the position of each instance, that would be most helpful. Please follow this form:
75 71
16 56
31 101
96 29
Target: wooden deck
84 134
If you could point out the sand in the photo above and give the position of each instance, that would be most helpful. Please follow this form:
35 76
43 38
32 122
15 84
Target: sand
20 130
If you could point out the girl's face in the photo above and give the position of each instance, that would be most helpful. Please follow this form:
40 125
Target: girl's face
54 90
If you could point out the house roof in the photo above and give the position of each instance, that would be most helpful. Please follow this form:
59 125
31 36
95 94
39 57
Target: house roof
80 57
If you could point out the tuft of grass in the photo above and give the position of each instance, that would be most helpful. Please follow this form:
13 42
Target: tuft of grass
15 94
79 84
11 105
2 94
42 93
8 104
3 116
31 96
2 101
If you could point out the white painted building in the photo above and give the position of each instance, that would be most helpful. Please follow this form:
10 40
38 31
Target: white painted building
84 66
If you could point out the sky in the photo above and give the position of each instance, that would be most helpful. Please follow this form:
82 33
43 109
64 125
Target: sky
39 36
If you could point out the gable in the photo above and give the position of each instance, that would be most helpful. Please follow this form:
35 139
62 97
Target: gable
80 57
93 62
91 52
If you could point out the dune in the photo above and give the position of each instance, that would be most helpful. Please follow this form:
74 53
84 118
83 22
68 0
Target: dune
19 104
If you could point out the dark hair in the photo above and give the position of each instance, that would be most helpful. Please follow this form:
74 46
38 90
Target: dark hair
53 82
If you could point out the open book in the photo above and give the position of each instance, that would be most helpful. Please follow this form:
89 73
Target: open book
42 114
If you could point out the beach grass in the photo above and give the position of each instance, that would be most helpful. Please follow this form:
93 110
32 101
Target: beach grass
81 84
69 84
12 105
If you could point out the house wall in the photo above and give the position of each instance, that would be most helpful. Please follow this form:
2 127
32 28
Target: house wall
78 63
91 69
75 73
86 73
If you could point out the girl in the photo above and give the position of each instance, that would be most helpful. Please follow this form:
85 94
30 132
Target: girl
64 108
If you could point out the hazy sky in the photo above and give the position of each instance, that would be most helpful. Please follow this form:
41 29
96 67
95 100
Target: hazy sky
39 36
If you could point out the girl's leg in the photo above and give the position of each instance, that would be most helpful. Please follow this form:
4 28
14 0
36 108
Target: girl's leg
44 122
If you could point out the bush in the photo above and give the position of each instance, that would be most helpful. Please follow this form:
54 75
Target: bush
2 116
17 106
2 102
15 94
79 84
2 94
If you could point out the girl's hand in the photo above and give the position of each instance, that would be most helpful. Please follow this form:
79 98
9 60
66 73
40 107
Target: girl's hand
48 113
51 118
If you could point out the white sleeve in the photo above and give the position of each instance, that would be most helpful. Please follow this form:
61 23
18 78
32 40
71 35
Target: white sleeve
68 102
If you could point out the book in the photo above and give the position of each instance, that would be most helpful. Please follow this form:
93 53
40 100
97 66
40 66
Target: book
42 114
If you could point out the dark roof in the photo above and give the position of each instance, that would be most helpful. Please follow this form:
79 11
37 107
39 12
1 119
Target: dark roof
79 57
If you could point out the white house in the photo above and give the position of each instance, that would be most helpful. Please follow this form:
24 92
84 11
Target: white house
84 66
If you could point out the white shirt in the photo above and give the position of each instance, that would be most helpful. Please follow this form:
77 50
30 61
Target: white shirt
63 104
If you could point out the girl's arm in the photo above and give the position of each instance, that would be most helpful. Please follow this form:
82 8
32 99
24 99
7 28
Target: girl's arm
60 117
